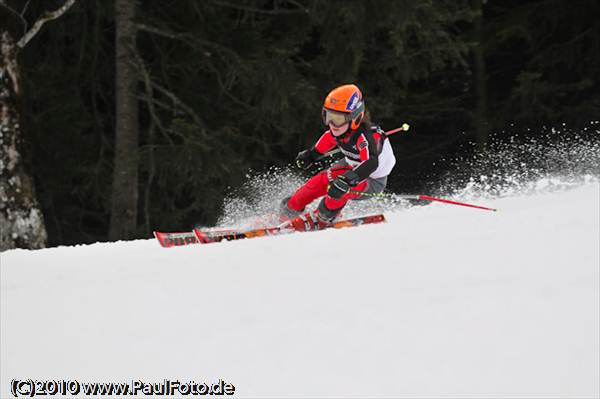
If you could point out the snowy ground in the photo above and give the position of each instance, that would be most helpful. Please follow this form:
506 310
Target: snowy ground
441 301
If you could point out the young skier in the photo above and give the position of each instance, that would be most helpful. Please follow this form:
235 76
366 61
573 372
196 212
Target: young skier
368 160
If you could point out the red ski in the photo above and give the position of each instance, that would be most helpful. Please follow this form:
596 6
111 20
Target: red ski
168 240
181 239
207 237
197 236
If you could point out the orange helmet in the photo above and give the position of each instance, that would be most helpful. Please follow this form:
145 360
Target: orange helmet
344 104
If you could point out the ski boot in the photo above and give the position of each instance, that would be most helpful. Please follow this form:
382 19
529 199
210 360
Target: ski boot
320 219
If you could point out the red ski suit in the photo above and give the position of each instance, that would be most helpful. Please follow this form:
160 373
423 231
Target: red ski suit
366 151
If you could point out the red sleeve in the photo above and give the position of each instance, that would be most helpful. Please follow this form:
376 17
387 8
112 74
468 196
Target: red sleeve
325 143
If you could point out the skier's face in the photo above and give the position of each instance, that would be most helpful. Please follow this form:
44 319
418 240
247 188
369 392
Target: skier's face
338 131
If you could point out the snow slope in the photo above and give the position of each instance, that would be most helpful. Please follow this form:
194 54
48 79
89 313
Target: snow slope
440 301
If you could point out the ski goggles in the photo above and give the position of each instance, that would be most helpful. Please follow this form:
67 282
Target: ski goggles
336 118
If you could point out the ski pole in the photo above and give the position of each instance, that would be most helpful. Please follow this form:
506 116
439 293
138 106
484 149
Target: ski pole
422 198
447 201
403 128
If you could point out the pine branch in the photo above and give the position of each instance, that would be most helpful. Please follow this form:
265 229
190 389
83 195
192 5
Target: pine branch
48 16
164 32
275 11
199 122
15 12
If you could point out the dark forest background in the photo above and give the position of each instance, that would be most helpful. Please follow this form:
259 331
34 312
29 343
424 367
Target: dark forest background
222 87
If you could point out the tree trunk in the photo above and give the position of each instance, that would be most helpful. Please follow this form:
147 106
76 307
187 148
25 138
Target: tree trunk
21 221
124 199
480 78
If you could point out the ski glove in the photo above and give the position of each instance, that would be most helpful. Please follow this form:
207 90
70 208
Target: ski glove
343 184
305 159
338 188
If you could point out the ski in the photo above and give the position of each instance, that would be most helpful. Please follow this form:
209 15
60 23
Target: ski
198 236
168 240
208 237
